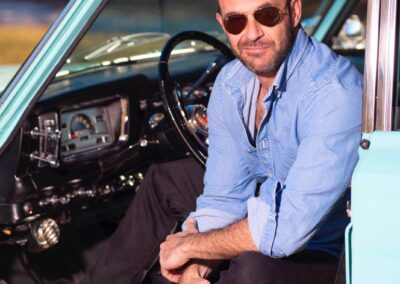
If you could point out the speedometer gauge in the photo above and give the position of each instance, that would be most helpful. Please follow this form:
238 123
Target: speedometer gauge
81 125
85 131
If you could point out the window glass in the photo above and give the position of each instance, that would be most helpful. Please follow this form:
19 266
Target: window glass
352 32
350 40
22 25
130 28
127 17
313 11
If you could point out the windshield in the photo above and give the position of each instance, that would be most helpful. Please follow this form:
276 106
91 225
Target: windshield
132 31
22 25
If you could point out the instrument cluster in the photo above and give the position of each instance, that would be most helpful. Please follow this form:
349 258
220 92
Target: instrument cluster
85 129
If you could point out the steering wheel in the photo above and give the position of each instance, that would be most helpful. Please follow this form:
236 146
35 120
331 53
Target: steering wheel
187 110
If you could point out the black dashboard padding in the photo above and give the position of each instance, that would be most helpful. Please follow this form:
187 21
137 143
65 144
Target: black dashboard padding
8 166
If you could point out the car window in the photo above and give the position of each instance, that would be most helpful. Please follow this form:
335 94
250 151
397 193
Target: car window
351 35
22 25
347 36
313 11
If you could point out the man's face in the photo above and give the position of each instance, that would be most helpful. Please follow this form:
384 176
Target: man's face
262 49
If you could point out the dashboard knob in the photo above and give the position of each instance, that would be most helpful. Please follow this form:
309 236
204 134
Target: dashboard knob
46 233
144 143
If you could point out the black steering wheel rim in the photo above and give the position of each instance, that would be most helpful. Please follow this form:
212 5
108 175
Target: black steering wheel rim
173 104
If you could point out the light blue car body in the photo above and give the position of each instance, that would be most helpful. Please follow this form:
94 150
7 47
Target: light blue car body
373 240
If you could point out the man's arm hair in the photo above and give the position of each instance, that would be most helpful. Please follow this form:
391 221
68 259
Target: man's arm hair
223 243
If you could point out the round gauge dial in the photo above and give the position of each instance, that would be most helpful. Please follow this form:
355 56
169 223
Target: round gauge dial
198 120
80 125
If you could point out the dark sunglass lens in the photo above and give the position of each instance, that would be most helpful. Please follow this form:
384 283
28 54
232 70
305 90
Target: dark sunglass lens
235 24
268 16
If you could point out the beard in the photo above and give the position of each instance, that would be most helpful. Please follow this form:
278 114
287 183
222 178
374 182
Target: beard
276 56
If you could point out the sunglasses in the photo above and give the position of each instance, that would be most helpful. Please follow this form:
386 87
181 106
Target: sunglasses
267 16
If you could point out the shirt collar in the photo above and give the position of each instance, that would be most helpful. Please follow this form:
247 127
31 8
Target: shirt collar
292 59
238 87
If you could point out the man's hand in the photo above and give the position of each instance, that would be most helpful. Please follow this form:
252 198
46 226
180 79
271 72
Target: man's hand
225 243
173 255
197 271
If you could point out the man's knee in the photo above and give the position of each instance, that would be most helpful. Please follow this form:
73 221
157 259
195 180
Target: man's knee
173 175
253 267
249 267
175 185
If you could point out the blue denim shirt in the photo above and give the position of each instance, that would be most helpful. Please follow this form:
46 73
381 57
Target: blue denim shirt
302 157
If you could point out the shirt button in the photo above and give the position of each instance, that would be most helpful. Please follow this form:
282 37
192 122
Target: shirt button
249 150
270 174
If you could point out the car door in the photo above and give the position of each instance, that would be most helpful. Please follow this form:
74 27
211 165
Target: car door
372 244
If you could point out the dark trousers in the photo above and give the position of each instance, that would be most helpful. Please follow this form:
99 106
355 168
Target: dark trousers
166 197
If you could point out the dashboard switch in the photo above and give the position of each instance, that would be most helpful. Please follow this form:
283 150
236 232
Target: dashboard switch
28 208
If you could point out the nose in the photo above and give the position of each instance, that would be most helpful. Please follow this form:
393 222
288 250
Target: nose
253 29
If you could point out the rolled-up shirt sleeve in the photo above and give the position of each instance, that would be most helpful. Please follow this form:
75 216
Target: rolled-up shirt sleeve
227 183
287 213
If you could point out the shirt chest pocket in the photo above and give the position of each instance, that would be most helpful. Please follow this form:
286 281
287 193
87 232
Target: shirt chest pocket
259 160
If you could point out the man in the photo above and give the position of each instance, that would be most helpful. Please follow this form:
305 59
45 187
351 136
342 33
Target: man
284 127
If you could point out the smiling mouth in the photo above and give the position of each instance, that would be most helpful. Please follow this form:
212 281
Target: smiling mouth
256 46
255 49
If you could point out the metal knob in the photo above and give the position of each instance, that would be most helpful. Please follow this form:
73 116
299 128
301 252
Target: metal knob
52 134
50 159
46 233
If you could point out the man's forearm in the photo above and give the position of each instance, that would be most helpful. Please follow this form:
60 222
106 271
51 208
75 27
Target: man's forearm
224 243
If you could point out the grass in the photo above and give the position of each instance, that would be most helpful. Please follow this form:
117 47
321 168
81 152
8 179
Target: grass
17 42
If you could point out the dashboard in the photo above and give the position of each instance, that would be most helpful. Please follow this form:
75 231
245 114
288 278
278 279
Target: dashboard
85 148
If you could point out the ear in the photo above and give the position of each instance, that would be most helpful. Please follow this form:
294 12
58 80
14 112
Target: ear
295 6
220 20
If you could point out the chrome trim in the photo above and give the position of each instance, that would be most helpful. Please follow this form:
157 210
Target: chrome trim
46 233
370 69
124 119
386 65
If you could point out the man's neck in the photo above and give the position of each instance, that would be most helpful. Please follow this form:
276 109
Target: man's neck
266 80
